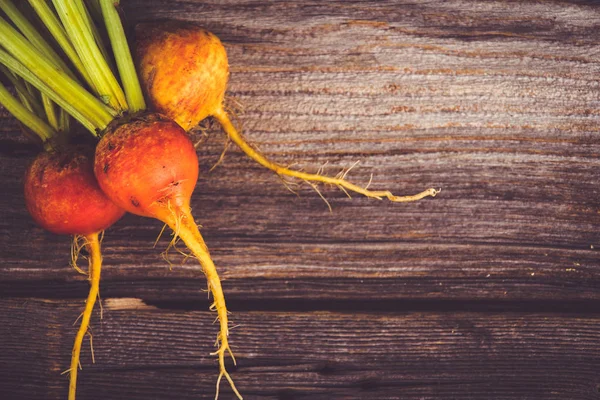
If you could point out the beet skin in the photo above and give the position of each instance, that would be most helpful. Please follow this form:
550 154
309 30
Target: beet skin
147 165
183 70
62 195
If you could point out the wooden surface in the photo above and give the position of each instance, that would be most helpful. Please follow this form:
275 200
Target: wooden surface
489 291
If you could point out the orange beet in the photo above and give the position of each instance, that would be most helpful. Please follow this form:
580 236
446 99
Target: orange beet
62 195
147 165
183 70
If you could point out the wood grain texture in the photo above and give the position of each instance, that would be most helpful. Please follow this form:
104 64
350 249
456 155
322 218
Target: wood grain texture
142 352
496 102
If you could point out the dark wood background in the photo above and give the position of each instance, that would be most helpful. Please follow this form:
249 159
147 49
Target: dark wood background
489 291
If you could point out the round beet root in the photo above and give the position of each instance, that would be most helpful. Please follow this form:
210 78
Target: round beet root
147 165
183 70
63 196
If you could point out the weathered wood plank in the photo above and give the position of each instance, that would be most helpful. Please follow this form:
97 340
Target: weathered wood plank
254 271
146 353
496 103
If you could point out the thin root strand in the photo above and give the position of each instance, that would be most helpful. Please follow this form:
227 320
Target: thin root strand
338 181
222 156
77 245
316 189
185 228
95 264
224 347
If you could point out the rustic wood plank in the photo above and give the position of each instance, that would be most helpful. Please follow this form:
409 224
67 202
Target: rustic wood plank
142 352
253 271
494 102
489 291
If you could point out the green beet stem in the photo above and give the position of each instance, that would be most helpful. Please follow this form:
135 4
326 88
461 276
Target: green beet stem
26 117
78 27
30 32
51 116
27 98
93 117
64 123
53 25
120 47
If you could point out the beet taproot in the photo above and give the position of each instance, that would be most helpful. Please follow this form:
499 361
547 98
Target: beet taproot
148 165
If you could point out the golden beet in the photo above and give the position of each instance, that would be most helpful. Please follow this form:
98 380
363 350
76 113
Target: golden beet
147 164
62 195
183 70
